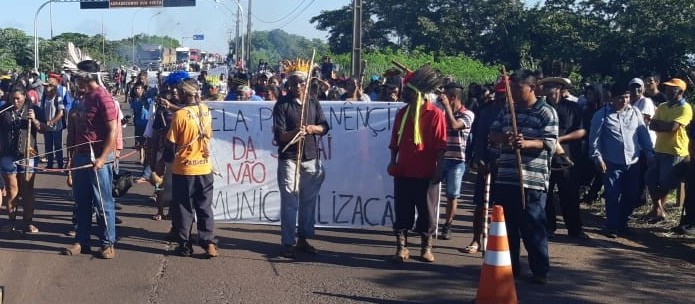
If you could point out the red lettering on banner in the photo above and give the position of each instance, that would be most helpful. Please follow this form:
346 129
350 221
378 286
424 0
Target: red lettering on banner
247 172
243 150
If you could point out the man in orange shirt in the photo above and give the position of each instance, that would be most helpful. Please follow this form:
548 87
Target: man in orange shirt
192 178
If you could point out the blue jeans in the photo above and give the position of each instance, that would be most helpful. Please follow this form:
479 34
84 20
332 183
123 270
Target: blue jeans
453 173
304 207
54 142
87 198
529 224
621 193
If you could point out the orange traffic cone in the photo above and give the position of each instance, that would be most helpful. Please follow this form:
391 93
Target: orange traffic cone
496 278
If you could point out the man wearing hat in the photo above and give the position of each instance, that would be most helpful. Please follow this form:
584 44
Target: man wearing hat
418 143
192 178
94 140
213 85
52 112
646 106
563 174
618 142
643 103
243 93
298 197
668 168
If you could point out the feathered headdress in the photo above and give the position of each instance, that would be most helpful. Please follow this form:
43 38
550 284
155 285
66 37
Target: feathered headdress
298 67
212 81
423 81
83 65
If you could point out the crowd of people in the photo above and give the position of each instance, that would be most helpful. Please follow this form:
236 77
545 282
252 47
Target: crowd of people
630 142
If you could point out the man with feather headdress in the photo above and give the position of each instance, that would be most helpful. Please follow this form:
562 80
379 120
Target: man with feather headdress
295 115
93 142
417 145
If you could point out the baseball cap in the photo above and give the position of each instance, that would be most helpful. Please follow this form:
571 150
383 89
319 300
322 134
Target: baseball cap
638 81
676 82
243 88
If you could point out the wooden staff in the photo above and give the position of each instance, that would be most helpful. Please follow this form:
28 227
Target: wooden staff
302 118
515 130
27 149
69 180
6 109
486 208
401 66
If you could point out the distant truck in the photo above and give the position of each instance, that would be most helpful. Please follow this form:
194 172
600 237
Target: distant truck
149 56
183 58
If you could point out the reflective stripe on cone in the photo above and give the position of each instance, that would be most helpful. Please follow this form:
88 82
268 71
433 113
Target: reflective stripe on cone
497 278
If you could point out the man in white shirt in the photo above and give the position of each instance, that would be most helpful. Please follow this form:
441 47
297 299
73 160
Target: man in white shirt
644 104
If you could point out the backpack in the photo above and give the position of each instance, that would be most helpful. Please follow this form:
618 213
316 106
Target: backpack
121 183
64 93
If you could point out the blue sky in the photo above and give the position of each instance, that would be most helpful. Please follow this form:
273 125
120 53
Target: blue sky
208 18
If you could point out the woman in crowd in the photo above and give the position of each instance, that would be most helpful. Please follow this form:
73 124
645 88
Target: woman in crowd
19 125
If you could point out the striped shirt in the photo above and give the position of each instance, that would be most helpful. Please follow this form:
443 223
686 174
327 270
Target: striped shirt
456 139
538 122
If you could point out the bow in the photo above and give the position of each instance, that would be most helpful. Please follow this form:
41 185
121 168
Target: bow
22 162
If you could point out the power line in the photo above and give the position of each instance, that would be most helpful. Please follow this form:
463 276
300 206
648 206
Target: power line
281 18
297 15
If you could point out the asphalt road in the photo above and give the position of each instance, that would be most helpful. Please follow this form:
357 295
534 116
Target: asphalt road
352 266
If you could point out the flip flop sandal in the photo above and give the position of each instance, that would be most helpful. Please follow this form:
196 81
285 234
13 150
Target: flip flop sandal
157 217
645 218
654 220
470 249
31 229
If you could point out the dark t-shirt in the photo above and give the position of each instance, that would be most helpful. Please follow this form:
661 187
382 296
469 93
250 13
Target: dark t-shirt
480 130
658 99
14 131
570 119
286 116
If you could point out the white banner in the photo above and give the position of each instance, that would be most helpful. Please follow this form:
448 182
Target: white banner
357 191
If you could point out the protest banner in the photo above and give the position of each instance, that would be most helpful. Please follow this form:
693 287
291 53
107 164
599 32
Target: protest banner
357 191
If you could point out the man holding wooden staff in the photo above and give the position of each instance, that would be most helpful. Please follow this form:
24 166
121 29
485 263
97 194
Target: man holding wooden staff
537 124
299 119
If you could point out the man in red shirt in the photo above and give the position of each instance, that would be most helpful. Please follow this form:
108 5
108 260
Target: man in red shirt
418 143
94 140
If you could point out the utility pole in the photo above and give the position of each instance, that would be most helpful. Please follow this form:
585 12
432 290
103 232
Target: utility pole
103 40
238 48
248 38
356 38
